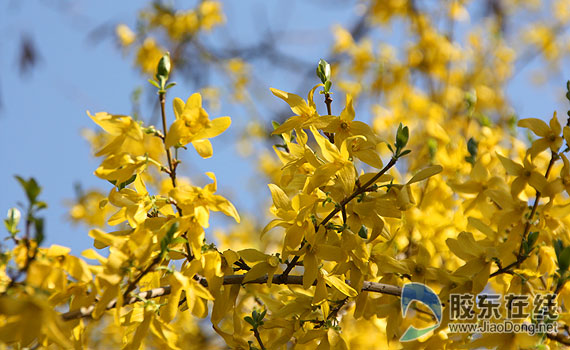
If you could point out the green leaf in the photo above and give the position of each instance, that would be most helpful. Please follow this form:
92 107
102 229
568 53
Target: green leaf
525 247
432 147
472 145
168 238
275 124
31 188
363 232
128 182
250 320
531 238
39 226
404 153
154 83
564 259
179 240
169 85
558 247
41 205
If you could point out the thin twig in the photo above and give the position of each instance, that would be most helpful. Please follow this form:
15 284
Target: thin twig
258 337
344 202
520 256
231 279
172 164
133 284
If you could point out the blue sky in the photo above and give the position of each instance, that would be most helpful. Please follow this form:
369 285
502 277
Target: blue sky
43 112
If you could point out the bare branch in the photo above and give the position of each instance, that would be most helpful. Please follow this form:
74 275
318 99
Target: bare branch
231 279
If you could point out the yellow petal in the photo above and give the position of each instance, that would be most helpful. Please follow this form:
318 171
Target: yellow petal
566 133
252 255
370 157
537 126
203 147
311 270
257 271
178 131
310 96
511 167
296 102
215 128
194 101
178 106
340 285
425 173
321 292
347 113
280 198
555 124
289 124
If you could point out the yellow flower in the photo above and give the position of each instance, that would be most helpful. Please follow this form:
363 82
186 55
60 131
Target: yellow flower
127 133
306 112
149 53
199 201
549 135
345 127
89 210
211 14
478 257
125 35
525 174
193 125
336 163
266 265
478 183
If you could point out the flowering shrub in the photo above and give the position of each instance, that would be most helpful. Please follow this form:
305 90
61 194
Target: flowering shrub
437 189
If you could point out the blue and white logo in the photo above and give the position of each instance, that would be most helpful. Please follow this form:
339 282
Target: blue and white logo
424 294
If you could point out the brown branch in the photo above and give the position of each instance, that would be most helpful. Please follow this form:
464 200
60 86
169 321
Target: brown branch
172 164
520 256
343 203
87 311
328 102
559 337
231 279
258 337
133 284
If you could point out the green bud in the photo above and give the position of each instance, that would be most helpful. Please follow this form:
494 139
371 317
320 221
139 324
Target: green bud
163 68
328 84
402 136
12 220
324 71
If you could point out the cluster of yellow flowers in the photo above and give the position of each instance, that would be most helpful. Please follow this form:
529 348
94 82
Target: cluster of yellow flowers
454 201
